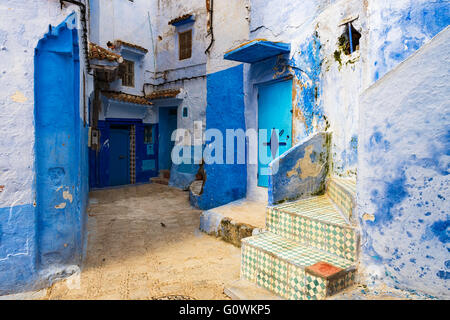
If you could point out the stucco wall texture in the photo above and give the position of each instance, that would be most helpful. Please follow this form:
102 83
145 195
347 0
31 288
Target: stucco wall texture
403 172
328 84
22 25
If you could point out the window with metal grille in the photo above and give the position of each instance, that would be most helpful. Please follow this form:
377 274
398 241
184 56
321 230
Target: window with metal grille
185 44
127 73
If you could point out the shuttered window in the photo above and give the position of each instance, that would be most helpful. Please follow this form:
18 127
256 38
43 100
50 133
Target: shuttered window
127 73
185 44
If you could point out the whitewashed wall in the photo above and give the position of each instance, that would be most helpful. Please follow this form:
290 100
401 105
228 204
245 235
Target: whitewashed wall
22 25
403 184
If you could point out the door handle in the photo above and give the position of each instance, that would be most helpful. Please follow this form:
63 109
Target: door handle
121 157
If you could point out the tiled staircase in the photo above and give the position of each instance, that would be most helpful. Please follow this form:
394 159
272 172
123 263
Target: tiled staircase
309 248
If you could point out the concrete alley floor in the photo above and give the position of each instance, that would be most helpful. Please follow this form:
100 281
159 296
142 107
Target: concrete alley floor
144 243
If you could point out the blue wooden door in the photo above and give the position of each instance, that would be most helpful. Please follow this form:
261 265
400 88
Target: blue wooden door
275 116
119 160
167 124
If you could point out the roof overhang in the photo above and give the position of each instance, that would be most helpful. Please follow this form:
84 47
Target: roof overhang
184 19
130 48
257 50
104 64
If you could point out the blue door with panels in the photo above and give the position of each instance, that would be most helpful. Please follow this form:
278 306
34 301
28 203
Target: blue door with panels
275 116
119 159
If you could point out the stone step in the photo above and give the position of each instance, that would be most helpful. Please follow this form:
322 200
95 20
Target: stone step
164 174
315 222
343 193
160 180
291 270
243 289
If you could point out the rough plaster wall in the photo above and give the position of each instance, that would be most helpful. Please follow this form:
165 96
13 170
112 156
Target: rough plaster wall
391 31
194 99
127 21
323 87
231 22
166 40
170 68
22 25
341 82
399 28
403 172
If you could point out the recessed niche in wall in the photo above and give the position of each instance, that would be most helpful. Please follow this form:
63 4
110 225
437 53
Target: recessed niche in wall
185 112
348 42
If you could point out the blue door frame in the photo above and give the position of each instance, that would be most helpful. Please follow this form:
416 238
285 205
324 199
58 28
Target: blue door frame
274 115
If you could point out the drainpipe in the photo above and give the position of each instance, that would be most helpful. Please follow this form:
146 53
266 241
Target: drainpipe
350 36
211 31
82 7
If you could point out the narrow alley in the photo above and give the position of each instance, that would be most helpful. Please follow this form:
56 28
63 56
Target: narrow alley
144 243
224 150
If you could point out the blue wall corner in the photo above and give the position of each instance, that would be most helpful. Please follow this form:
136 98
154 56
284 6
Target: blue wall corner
61 148
225 110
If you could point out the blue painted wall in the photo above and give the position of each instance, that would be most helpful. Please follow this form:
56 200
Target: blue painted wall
306 66
61 148
410 26
18 247
225 110
403 173
41 240
100 163
301 171
182 175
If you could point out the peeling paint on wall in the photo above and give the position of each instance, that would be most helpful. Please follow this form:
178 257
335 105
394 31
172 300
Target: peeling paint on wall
306 65
19 97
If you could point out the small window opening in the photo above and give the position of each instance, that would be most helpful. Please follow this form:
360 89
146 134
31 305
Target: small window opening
349 40
185 44
185 112
148 134
127 73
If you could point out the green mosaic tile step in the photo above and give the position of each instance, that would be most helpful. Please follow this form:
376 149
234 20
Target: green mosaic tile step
315 222
343 194
278 265
348 184
319 208
293 252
